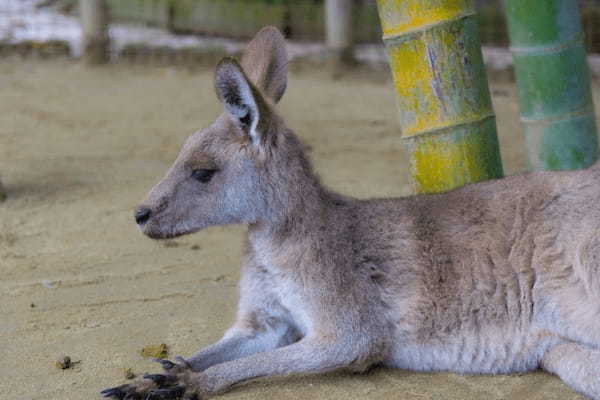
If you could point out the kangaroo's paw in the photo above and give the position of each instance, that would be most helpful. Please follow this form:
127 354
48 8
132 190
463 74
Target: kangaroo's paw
173 368
175 384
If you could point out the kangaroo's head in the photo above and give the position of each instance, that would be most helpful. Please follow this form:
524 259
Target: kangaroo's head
232 171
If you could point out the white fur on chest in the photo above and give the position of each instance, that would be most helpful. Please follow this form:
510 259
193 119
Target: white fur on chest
283 285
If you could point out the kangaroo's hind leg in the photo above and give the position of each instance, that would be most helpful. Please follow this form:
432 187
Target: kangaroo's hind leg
577 366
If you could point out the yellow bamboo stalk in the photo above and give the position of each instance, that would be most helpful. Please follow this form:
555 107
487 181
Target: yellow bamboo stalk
443 99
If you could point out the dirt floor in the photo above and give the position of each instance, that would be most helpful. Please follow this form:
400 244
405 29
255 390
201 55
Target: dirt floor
79 147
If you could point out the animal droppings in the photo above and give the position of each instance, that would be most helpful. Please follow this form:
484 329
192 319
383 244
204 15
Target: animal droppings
64 362
128 373
159 351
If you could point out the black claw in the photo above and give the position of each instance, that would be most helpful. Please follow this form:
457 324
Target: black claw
107 392
166 364
114 392
160 379
183 362
133 396
166 394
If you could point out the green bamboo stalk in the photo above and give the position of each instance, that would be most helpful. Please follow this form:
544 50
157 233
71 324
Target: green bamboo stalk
444 103
553 83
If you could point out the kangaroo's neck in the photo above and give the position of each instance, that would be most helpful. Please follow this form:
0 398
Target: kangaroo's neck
298 206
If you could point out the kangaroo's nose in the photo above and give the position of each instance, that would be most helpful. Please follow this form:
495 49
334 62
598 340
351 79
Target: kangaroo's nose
142 215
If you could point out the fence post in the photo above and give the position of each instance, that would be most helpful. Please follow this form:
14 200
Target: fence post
444 104
338 26
2 192
553 83
94 24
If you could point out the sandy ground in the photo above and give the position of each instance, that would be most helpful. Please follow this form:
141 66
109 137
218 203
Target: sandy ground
80 147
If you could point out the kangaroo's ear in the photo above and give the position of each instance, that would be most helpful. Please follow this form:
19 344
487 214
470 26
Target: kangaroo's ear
265 62
242 101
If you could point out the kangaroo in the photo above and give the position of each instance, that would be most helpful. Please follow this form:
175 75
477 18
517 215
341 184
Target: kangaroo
495 277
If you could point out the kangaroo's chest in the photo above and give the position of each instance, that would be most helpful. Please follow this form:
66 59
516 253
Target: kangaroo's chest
287 296
292 299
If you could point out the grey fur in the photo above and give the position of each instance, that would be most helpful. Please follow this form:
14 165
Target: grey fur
495 277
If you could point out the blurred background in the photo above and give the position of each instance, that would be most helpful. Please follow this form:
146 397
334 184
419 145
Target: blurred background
191 31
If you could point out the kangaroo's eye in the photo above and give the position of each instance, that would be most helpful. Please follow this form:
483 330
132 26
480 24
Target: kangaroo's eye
203 175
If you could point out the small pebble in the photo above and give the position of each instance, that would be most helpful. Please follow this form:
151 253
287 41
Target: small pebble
47 284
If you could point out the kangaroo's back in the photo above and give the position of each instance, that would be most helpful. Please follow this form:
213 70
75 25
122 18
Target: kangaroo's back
473 279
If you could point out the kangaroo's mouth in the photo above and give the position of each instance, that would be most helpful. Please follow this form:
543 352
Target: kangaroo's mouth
154 230
159 234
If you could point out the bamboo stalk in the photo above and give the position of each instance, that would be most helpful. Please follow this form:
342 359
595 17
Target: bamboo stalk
443 99
553 83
